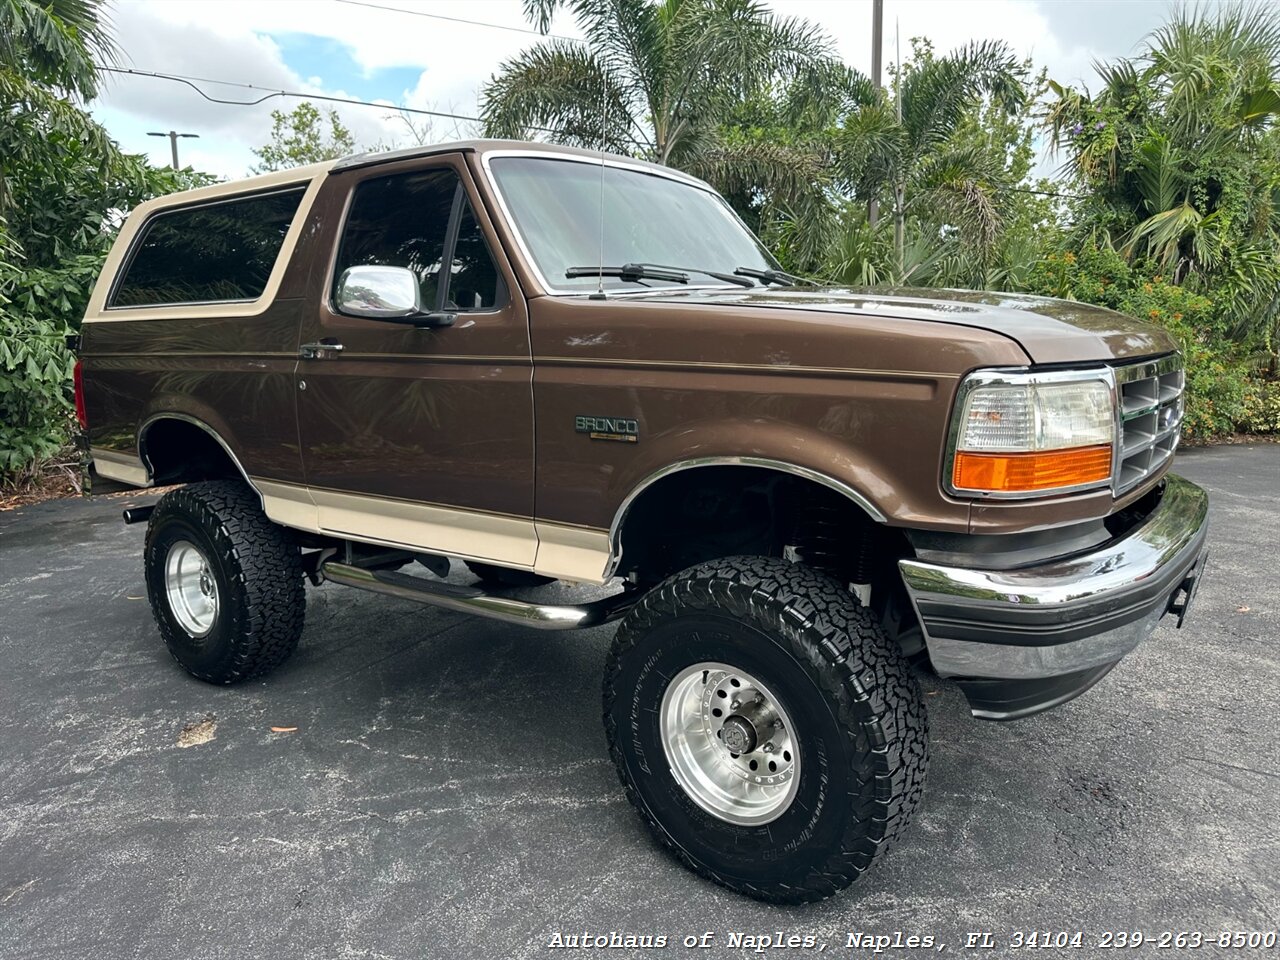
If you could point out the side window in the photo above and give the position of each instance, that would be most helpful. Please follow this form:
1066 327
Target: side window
475 283
403 221
215 252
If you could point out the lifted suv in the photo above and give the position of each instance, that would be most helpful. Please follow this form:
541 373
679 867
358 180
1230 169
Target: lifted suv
549 364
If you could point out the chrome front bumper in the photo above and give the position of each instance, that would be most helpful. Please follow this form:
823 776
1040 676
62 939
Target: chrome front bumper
1021 641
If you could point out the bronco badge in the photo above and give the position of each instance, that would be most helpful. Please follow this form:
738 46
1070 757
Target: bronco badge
608 428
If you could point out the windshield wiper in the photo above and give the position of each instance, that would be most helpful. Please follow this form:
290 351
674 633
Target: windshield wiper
771 276
635 272
714 274
631 272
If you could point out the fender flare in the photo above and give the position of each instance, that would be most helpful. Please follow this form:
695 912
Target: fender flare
780 466
194 421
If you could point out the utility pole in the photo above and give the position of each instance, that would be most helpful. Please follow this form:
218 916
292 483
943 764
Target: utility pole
173 136
877 51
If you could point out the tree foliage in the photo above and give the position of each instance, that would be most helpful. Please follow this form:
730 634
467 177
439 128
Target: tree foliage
301 136
1177 158
64 185
657 79
938 151
1166 206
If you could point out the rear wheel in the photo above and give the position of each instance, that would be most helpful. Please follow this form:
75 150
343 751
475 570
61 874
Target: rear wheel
505 576
225 583
764 727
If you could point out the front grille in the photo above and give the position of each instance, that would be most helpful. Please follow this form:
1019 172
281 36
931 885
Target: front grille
1150 406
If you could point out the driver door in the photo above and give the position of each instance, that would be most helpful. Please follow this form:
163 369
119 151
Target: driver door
421 437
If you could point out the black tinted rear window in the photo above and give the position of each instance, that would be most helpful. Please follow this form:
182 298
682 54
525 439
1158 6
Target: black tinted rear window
219 251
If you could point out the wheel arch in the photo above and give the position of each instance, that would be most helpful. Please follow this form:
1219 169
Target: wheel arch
206 454
681 474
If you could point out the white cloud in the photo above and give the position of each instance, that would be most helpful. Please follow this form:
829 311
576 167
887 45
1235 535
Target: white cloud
233 40
246 41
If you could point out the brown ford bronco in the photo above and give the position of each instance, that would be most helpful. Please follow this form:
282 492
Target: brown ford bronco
549 364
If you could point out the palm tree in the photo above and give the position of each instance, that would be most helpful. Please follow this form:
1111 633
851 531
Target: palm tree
658 79
49 51
1180 148
905 143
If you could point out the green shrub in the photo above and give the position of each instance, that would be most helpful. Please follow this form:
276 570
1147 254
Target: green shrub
1261 407
38 308
1217 367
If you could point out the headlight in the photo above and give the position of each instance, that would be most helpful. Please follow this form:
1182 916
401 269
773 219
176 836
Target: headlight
1022 434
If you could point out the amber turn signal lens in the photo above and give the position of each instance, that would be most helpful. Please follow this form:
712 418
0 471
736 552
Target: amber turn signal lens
1041 470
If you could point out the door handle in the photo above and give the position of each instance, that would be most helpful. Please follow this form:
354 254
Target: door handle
319 350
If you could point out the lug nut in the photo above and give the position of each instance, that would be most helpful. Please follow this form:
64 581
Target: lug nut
768 747
735 704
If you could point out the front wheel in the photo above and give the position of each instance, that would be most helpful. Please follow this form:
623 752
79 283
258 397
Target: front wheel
764 727
225 583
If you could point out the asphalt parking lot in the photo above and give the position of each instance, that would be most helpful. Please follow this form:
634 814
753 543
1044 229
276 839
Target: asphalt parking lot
447 791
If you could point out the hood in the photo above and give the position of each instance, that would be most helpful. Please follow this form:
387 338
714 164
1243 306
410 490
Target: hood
1048 330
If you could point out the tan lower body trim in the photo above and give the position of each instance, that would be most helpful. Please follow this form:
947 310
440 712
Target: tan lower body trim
123 467
571 553
552 549
463 533
288 504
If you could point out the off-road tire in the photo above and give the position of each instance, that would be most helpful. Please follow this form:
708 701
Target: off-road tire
857 709
259 580
506 577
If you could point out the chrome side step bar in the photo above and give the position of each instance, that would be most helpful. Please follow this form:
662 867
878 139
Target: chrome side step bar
452 596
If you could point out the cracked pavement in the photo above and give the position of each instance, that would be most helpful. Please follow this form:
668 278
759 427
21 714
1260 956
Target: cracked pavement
447 792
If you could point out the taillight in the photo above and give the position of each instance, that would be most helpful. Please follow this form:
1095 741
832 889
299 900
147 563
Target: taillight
78 377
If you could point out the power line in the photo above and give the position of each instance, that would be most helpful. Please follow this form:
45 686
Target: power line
271 93
1047 193
474 23
192 81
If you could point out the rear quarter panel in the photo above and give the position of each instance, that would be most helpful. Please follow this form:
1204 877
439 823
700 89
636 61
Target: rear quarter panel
229 365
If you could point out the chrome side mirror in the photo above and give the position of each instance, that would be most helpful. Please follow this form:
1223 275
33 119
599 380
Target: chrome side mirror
385 293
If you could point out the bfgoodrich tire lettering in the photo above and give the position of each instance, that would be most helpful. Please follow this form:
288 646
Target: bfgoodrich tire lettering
257 579
858 718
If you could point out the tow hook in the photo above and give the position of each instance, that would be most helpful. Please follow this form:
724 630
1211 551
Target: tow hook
1180 601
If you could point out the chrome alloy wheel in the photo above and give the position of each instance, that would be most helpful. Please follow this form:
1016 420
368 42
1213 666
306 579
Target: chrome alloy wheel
730 744
191 588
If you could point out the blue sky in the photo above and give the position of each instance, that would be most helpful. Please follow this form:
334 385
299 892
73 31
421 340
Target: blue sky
328 63
377 51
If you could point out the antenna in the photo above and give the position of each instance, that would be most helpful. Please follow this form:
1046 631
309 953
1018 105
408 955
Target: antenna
604 117
897 67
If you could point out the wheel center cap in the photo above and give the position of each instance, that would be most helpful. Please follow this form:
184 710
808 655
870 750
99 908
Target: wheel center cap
738 735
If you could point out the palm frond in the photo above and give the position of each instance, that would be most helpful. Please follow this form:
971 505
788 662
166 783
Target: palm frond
559 91
34 117
1202 53
937 94
960 187
55 43
870 147
1259 106
1159 174
718 53
790 180
1162 233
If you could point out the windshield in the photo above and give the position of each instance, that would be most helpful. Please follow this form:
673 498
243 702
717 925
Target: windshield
647 219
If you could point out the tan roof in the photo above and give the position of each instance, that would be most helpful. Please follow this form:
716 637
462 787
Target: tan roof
481 147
